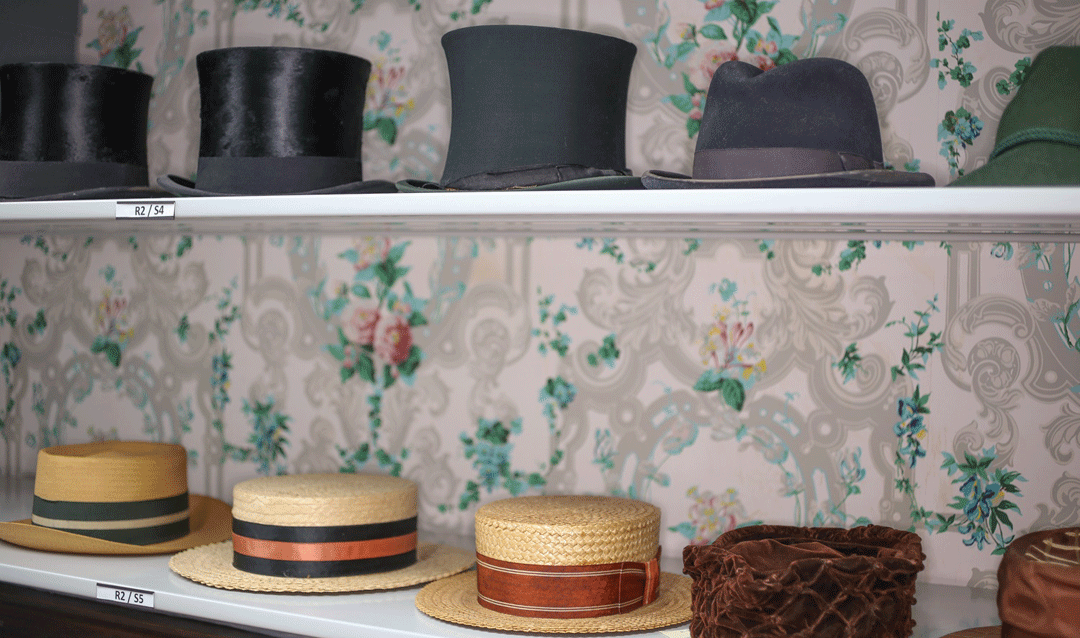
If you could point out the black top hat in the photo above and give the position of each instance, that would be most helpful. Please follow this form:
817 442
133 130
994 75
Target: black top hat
72 131
535 107
810 122
279 120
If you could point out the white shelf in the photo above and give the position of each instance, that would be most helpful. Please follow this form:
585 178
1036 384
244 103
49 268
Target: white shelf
956 214
941 608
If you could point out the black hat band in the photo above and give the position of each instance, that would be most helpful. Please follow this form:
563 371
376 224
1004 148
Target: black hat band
275 175
529 176
755 163
30 179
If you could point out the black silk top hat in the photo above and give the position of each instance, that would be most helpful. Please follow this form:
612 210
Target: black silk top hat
279 120
535 107
72 131
808 123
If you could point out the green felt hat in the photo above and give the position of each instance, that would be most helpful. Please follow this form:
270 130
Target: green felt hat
1038 137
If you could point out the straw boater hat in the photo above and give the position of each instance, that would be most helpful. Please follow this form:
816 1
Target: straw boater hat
1038 588
563 564
321 533
117 497
775 580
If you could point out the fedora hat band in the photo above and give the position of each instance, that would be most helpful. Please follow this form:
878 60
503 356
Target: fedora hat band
323 551
755 163
566 591
31 178
133 522
275 175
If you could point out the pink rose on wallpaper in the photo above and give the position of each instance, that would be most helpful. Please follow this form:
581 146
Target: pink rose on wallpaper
714 58
360 324
371 250
393 339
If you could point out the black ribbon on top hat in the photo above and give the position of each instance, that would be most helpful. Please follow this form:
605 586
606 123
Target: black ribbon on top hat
323 551
132 522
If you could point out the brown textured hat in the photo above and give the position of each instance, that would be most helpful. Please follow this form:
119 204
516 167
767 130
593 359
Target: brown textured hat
803 582
1038 588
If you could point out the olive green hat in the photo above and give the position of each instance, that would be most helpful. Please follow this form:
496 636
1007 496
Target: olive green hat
1038 137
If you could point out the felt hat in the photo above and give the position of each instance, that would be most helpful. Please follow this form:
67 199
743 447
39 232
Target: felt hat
563 564
116 497
73 131
797 581
321 533
808 123
535 107
1038 588
1038 135
278 120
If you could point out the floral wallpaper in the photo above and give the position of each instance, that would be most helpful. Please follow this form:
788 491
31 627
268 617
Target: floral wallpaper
932 386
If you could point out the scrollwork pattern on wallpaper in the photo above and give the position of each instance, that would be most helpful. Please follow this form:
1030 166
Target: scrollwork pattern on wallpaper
1029 26
1064 509
892 52
991 370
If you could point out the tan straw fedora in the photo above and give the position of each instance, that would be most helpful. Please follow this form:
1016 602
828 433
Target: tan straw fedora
563 564
116 497
1038 588
321 533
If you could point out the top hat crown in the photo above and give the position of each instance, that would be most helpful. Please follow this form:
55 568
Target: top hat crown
549 101
70 127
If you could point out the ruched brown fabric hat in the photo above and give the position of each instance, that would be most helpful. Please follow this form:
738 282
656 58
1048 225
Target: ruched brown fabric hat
1038 588
799 582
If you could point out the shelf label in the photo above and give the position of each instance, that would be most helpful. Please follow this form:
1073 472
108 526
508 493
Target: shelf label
125 595
155 209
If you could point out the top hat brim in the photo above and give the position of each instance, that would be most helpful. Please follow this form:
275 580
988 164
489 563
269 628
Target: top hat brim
210 522
840 179
212 565
455 600
103 192
602 183
185 187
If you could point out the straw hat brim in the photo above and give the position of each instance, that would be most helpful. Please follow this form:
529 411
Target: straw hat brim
454 600
212 565
210 520
977 632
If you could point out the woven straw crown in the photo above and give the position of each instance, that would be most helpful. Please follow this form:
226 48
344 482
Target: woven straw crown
568 530
312 500
111 472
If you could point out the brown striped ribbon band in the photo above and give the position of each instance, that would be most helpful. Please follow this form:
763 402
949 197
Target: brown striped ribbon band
566 591
330 551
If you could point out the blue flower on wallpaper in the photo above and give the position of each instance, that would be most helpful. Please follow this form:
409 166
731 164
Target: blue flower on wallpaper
984 501
911 428
490 449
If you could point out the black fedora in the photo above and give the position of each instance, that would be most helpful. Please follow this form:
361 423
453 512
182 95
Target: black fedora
279 120
535 107
808 123
73 131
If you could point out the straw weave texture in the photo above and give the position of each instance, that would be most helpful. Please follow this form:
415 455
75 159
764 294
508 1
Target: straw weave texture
313 500
111 472
212 565
454 600
568 530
